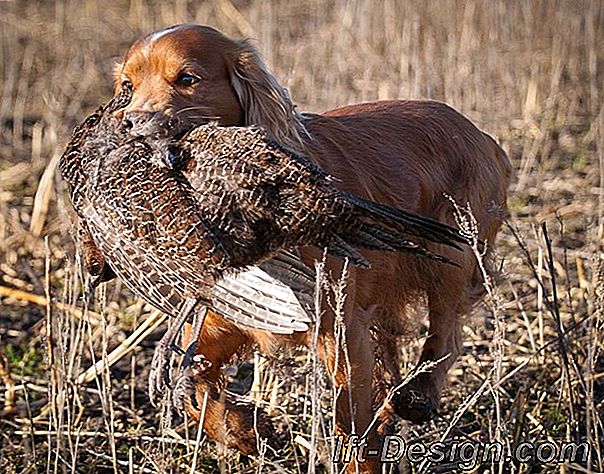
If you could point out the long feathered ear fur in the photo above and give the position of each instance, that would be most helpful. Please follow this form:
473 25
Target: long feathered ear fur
117 75
263 100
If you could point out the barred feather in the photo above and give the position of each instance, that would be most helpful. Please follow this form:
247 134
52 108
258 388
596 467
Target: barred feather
210 216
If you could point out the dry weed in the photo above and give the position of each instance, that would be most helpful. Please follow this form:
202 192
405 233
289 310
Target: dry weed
531 73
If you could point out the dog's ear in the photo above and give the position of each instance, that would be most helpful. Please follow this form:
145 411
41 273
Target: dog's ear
263 100
118 66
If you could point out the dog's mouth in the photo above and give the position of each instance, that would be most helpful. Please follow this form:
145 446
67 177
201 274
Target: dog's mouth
144 124
155 126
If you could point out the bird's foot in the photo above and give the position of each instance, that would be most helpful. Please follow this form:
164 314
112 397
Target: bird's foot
160 374
186 382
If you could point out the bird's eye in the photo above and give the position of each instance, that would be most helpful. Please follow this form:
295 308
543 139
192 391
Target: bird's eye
126 84
187 80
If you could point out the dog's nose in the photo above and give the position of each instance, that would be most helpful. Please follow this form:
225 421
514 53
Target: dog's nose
146 124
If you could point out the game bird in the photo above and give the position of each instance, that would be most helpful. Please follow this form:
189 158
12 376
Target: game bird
208 218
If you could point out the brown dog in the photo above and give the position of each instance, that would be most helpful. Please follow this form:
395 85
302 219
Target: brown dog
407 154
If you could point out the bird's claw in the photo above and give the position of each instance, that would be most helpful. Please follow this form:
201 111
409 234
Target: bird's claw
159 376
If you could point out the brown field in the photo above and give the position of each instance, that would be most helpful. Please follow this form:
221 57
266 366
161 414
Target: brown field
531 73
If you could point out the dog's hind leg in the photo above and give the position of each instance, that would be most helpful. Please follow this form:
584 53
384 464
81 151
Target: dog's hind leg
228 418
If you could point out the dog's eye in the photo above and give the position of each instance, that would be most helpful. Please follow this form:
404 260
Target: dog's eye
186 80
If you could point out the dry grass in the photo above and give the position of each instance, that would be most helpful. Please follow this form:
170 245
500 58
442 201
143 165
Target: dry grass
530 73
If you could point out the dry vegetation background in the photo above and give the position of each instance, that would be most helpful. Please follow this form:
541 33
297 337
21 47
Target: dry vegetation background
529 72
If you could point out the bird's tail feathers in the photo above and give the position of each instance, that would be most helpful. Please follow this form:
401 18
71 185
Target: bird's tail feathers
409 223
373 237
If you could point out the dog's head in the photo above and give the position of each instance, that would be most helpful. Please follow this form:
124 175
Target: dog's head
194 74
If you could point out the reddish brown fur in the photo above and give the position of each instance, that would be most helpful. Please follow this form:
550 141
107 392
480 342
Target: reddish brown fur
404 153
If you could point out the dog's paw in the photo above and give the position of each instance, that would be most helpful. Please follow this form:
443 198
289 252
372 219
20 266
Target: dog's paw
414 405
184 386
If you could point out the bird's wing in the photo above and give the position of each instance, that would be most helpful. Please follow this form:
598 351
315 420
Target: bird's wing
147 227
157 280
274 296
257 298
